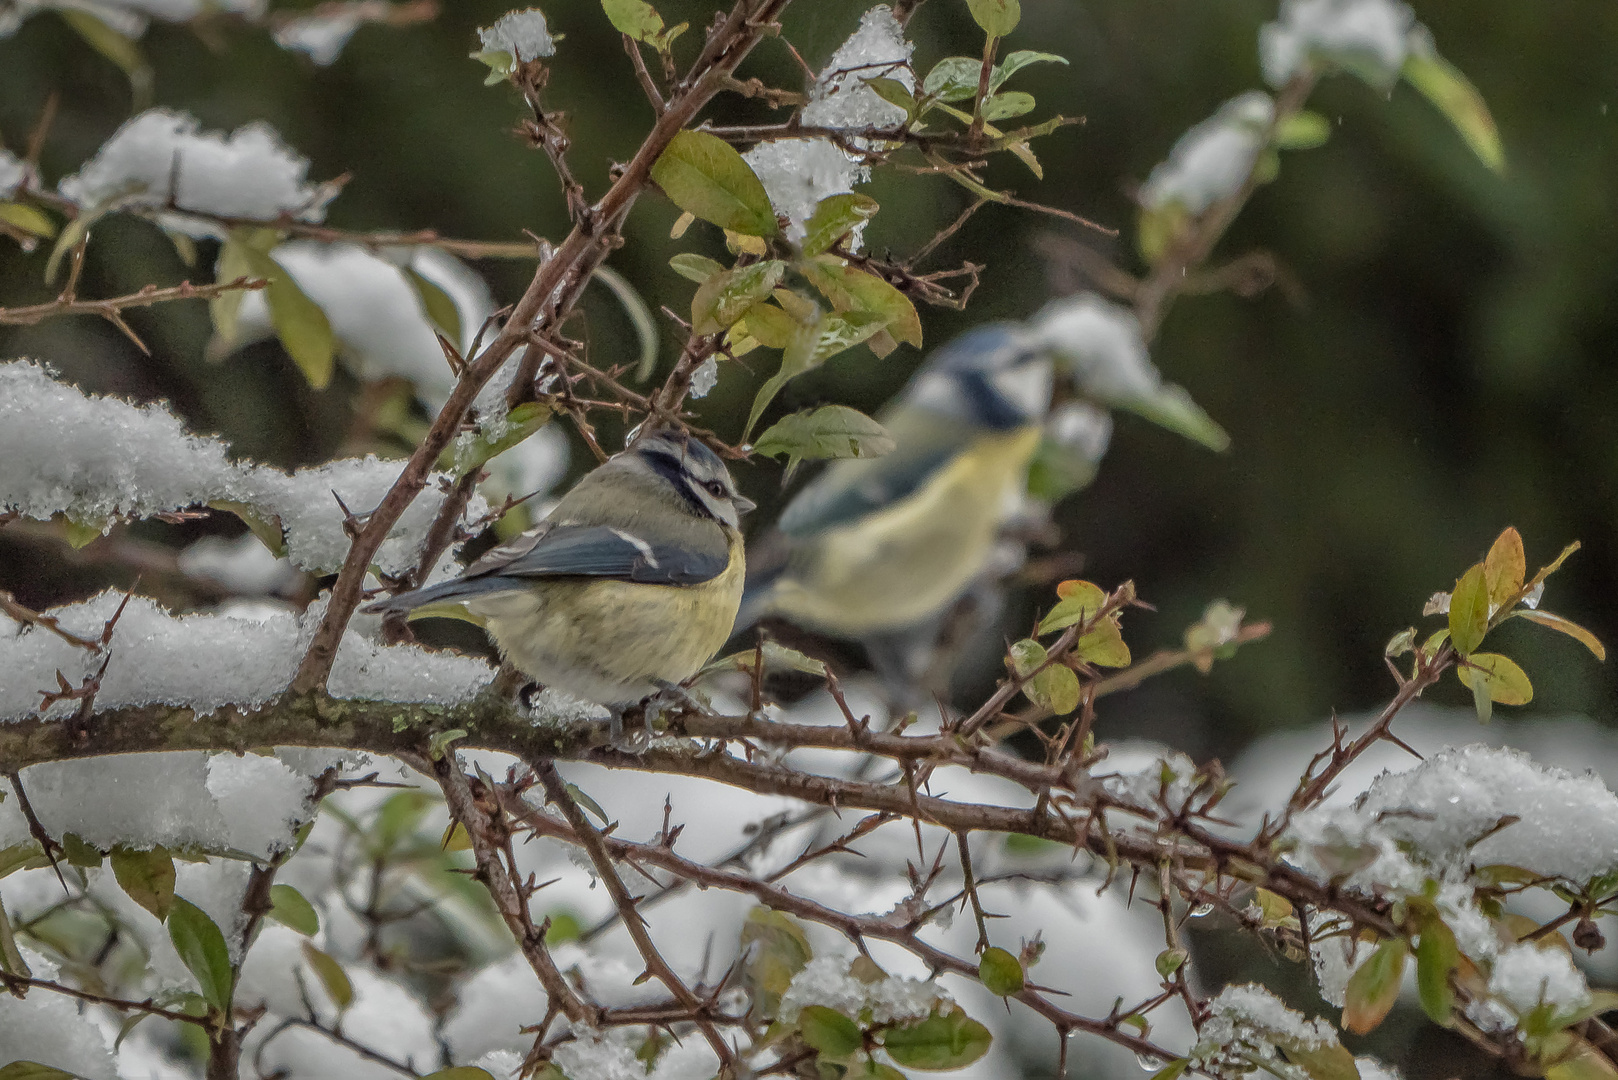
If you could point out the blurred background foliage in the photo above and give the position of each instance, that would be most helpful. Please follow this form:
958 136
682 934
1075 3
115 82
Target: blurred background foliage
1435 363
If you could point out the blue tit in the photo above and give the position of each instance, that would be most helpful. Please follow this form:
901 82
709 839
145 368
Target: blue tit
628 587
884 545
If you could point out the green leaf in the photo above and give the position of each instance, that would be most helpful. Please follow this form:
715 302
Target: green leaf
302 326
1436 956
693 267
236 261
1469 611
867 1068
475 449
500 63
25 856
437 305
147 877
829 1033
397 820
119 49
33 1070
1301 131
812 346
640 317
28 219
289 908
769 325
834 217
1016 61
1172 1071
829 432
705 176
854 290
1374 987
1009 104
894 92
332 976
1000 972
1171 960
1104 645
636 18
1056 688
1499 676
1582 1062
942 1041
723 299
1441 83
1079 600
11 959
582 797
776 949
776 656
1504 567
954 78
1566 626
79 852
997 17
1171 407
460 1072
1330 1062
202 949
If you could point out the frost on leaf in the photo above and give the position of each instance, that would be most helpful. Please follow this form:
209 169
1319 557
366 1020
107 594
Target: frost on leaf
1099 344
161 159
320 37
798 173
12 173
1371 38
1213 159
1251 1032
1473 806
831 982
523 34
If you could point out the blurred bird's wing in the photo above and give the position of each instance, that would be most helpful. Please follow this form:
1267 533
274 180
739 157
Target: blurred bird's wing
849 490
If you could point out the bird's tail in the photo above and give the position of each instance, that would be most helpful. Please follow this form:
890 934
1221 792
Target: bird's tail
447 593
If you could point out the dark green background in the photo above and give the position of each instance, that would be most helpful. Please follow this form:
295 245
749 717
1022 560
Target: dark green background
1442 369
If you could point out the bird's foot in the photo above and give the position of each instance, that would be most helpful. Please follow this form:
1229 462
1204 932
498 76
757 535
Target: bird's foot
635 741
672 696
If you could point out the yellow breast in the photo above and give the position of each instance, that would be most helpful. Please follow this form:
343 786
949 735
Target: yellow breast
612 642
905 563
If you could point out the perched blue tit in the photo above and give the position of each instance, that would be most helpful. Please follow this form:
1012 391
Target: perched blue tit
627 588
883 545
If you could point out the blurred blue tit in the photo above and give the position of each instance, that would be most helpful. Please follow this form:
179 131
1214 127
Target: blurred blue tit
627 588
880 545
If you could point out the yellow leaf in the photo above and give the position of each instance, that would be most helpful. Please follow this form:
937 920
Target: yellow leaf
1504 567
1568 627
1500 676
1469 611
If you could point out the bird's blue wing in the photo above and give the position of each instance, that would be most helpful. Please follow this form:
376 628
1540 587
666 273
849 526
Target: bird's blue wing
850 490
602 551
563 551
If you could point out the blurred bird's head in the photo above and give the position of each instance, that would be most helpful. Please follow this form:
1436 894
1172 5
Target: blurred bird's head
697 474
993 377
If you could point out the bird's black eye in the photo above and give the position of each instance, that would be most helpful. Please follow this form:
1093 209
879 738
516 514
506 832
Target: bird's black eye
715 488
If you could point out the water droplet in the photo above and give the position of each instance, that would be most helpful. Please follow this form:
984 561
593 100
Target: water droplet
1201 910
1149 1062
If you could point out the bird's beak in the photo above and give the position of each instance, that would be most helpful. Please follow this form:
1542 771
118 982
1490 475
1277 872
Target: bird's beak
743 504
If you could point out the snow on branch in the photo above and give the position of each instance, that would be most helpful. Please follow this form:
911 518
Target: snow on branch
205 662
162 160
97 459
798 173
